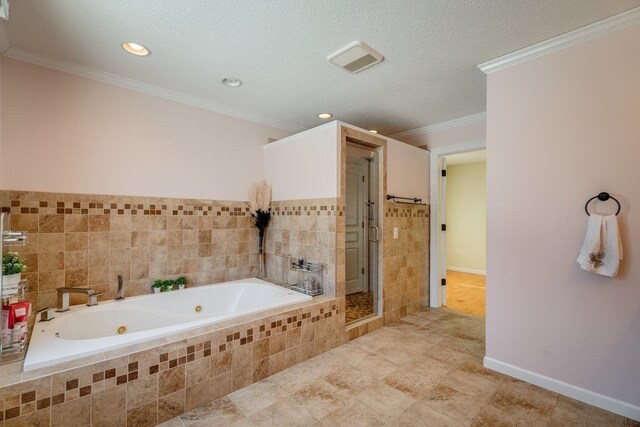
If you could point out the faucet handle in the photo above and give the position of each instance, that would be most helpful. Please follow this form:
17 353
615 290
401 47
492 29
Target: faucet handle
46 314
92 299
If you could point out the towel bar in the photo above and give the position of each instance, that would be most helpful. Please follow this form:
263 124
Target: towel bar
604 196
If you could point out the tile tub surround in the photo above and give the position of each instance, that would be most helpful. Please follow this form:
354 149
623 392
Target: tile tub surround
153 385
87 240
424 370
406 282
303 228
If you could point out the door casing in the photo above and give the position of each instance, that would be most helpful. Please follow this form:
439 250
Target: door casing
437 249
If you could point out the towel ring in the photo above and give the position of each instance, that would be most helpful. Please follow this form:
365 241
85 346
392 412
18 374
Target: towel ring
604 196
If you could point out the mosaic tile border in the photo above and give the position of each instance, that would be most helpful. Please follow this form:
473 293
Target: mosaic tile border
48 207
407 212
331 210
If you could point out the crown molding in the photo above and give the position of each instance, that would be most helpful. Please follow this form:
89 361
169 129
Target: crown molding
597 29
462 121
138 86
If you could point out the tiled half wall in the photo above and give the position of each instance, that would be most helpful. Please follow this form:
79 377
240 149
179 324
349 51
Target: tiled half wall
87 240
304 228
406 281
151 386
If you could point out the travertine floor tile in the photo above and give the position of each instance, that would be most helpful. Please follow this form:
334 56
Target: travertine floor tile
354 414
454 404
422 415
425 370
257 396
175 422
350 379
321 398
385 400
221 412
569 412
375 365
411 382
283 413
527 411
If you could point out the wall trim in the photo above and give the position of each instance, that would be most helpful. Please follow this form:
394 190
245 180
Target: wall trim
467 270
592 398
588 32
138 86
461 121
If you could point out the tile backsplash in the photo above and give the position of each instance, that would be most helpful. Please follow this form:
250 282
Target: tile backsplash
88 240
304 228
406 270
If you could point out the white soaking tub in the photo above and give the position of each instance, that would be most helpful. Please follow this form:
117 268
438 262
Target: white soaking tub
84 331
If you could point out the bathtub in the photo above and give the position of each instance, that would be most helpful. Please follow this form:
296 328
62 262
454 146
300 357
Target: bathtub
84 331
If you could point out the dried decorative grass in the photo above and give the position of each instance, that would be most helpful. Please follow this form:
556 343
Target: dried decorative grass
259 197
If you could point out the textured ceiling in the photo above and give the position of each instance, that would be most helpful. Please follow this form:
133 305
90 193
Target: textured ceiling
279 49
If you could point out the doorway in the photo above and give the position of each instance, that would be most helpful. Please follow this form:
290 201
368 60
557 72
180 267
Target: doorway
362 233
464 240
457 259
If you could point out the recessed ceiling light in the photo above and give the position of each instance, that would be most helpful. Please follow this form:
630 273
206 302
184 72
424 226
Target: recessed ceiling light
232 82
136 49
325 115
373 131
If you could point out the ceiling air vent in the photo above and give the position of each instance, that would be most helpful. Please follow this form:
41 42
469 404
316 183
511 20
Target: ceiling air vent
355 57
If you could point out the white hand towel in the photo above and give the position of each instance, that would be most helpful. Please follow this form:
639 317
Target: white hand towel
602 249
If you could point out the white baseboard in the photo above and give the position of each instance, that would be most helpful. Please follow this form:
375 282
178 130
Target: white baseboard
467 270
601 401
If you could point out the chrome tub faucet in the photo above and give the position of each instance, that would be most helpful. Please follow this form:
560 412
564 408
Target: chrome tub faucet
120 293
63 297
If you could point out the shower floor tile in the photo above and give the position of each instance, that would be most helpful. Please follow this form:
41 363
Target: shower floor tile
440 382
359 305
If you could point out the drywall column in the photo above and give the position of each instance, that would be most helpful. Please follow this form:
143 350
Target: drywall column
561 128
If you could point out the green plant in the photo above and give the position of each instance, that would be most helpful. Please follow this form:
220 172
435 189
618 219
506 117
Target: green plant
167 285
12 264
164 285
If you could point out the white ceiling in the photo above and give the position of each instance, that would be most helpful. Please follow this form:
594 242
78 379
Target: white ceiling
464 158
279 49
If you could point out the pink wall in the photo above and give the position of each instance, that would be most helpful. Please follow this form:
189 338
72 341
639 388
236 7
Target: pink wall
449 136
304 165
1 127
562 128
407 170
73 134
312 158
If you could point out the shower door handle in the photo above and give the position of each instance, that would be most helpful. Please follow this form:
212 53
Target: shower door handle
376 235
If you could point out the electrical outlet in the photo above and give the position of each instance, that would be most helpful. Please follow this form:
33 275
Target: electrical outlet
395 232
